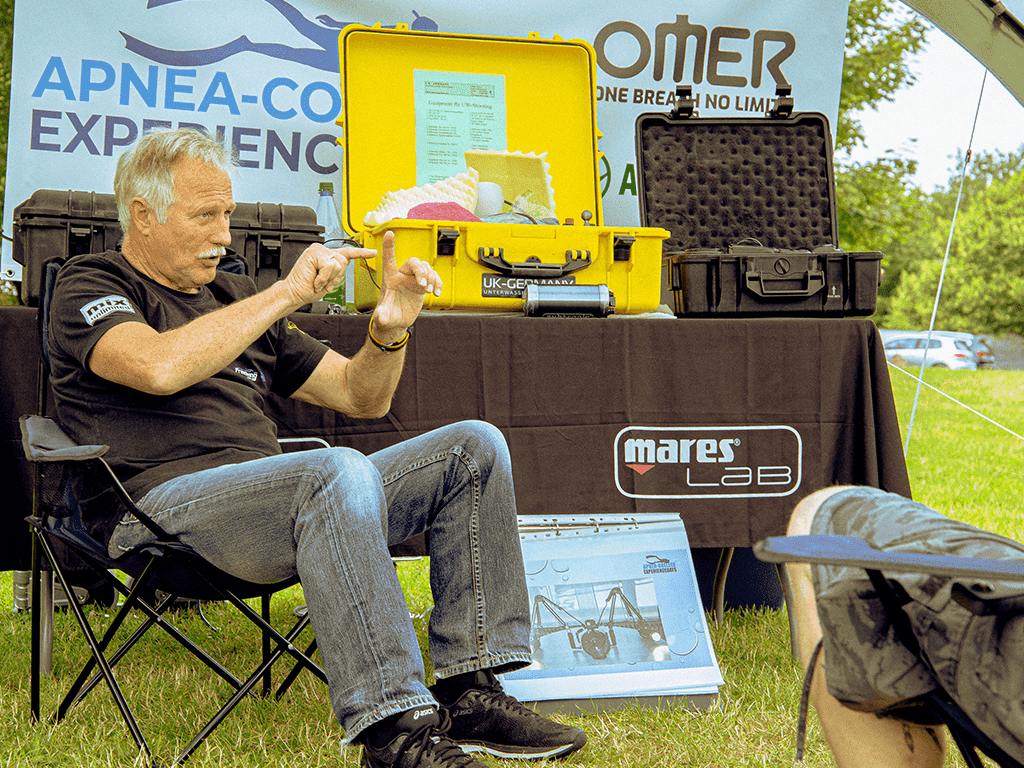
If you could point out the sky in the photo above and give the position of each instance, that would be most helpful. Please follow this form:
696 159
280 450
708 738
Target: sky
930 120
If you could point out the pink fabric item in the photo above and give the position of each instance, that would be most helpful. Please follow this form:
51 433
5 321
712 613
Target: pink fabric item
441 212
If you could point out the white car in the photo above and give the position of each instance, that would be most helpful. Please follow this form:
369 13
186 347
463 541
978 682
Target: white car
979 347
943 351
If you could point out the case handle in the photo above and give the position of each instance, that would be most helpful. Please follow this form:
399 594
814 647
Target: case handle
494 258
761 284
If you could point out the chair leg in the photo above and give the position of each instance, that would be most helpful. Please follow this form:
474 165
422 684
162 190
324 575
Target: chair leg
967 752
275 646
788 597
155 617
718 590
36 641
302 612
97 653
265 612
296 669
284 644
80 688
41 650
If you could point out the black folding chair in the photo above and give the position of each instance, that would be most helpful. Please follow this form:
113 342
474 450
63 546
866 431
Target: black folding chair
66 475
970 590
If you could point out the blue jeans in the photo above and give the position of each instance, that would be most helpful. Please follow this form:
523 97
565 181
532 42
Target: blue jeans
329 515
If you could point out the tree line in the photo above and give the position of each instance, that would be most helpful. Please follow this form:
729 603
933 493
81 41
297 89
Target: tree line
880 209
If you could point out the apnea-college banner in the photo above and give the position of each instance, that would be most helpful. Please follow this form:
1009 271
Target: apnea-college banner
90 77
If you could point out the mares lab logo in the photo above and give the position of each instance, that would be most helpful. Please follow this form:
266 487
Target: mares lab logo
708 462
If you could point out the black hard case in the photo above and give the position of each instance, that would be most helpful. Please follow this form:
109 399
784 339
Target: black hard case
750 205
57 224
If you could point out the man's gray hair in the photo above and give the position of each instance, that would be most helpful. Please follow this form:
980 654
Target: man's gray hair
146 170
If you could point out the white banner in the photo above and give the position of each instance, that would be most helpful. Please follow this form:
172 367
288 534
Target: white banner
89 78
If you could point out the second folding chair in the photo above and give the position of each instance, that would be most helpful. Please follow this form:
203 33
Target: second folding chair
969 590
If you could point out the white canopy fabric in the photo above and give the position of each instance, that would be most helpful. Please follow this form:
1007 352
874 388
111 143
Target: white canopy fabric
992 31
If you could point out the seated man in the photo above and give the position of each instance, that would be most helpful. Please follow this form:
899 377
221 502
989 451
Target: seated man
166 359
866 682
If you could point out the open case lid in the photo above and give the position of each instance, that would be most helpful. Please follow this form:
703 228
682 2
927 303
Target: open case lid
718 181
413 104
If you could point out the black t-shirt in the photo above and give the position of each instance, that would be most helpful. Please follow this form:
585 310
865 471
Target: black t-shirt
155 438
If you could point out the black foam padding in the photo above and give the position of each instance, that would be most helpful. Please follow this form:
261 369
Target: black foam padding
713 183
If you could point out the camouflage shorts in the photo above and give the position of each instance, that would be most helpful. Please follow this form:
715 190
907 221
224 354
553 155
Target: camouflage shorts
978 660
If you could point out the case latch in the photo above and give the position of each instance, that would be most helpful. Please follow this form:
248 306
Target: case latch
783 101
446 241
622 247
80 238
686 105
265 251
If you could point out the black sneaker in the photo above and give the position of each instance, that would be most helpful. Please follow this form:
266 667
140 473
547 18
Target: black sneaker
486 719
419 742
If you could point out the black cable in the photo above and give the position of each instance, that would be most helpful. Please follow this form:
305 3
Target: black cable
348 241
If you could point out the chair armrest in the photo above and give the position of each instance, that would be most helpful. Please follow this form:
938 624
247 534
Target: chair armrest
852 551
297 440
43 440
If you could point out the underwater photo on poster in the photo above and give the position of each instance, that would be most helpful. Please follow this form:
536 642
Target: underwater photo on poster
580 622
614 611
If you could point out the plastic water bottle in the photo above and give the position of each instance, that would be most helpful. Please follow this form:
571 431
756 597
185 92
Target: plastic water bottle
335 237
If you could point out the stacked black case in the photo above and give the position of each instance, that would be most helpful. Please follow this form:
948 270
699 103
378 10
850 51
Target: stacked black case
750 204
54 225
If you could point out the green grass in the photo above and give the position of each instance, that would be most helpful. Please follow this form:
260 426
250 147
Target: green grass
958 463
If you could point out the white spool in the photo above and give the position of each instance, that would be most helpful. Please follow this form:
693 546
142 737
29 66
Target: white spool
489 199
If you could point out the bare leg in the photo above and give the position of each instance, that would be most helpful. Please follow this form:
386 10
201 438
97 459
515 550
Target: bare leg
857 739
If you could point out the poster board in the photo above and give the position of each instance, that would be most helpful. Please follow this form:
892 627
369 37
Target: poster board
616 616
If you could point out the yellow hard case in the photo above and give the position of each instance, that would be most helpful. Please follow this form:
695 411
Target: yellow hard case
549 88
